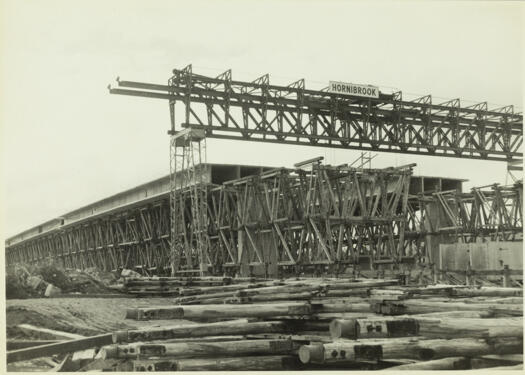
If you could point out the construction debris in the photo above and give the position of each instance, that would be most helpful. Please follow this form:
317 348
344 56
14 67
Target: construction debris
52 281
52 291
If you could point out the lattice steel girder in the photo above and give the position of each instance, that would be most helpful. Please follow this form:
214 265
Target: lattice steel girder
258 111
290 213
494 213
189 233
137 237
324 216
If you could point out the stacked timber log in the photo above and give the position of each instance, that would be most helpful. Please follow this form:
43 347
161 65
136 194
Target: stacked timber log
320 324
171 286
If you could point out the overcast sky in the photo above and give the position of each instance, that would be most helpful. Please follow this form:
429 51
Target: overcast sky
67 142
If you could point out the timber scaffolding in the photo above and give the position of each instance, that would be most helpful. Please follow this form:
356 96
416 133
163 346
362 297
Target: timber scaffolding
277 222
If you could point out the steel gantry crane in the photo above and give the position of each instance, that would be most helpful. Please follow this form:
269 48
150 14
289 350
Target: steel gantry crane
220 107
259 111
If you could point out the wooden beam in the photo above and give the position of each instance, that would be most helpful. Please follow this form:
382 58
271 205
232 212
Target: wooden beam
200 349
59 348
219 311
450 363
58 335
13 344
259 363
239 327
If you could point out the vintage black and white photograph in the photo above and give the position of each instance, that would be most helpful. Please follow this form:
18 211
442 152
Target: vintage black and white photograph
227 185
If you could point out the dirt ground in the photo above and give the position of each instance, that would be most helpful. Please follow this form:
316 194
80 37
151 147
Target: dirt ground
83 316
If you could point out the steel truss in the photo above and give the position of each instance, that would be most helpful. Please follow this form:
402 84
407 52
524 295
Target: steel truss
324 216
418 225
487 213
285 217
137 237
283 220
260 111
188 200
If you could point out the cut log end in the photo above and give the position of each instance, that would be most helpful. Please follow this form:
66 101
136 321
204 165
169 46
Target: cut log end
132 314
313 353
346 328
426 354
109 352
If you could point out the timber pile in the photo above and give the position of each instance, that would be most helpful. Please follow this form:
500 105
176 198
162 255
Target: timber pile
317 324
172 286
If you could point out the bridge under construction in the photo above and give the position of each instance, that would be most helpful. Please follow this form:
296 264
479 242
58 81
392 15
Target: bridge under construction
305 267
314 218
